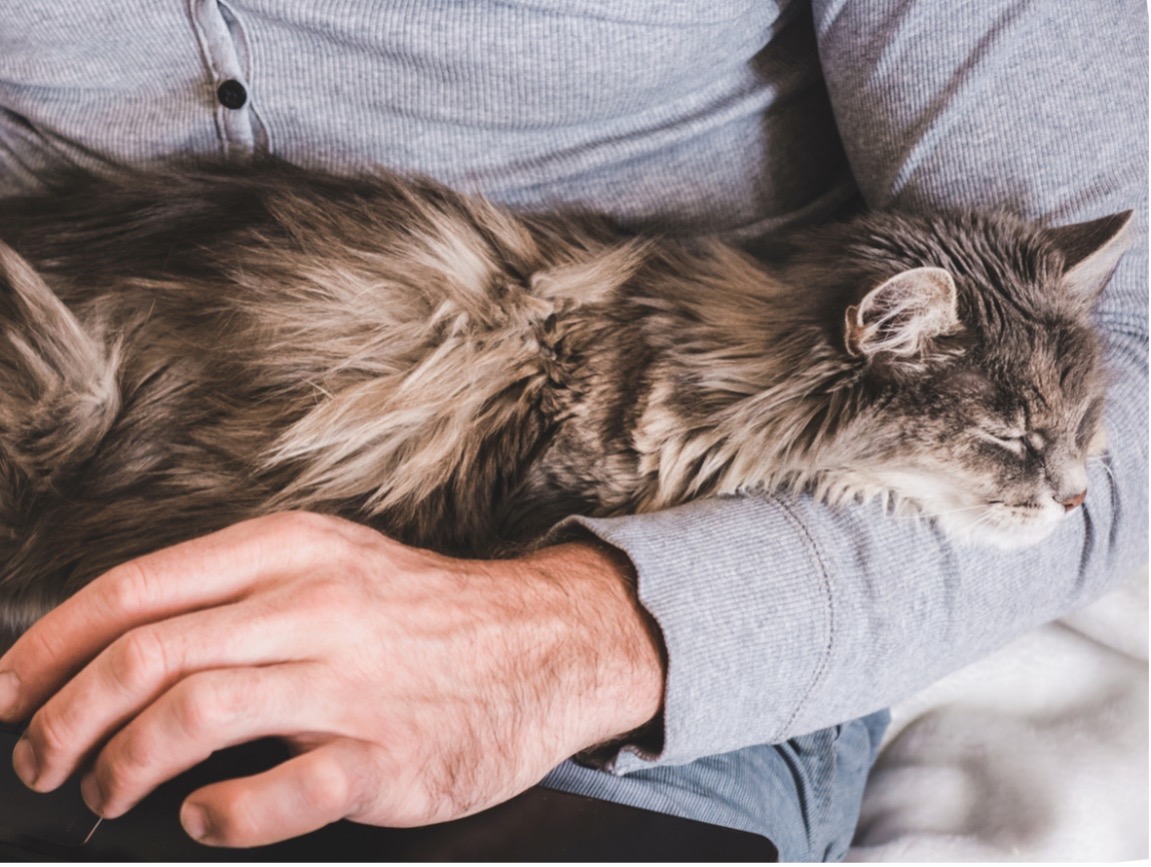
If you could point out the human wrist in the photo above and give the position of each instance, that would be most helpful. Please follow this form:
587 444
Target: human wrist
618 662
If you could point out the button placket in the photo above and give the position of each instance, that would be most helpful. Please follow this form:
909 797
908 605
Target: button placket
225 55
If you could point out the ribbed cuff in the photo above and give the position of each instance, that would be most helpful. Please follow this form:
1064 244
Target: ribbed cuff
742 597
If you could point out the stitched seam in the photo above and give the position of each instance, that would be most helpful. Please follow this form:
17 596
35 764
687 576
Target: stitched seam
824 663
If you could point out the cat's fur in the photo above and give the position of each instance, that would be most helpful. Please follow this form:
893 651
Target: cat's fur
182 351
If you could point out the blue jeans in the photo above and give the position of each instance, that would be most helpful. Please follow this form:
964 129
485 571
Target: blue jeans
803 795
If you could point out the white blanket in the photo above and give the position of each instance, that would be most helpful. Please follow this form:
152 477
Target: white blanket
1038 753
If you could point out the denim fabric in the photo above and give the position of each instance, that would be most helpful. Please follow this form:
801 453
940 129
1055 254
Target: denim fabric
804 794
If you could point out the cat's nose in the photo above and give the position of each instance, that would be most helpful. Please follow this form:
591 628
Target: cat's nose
1074 502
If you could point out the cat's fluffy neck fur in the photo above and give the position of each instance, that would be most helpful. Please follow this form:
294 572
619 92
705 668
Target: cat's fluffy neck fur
759 366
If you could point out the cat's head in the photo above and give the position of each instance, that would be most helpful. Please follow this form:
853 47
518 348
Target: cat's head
981 372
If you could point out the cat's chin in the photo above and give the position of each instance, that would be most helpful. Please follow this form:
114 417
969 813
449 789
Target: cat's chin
1004 538
1003 530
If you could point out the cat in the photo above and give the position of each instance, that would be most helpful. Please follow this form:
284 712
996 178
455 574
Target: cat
183 350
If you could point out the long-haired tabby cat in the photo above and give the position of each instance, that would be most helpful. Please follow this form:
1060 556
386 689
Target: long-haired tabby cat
181 351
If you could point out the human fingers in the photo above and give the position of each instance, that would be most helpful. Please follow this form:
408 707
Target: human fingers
211 570
307 792
203 713
138 667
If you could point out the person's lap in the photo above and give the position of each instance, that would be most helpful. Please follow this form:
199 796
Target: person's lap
803 795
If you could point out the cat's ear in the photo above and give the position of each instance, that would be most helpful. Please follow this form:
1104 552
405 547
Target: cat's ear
903 314
1091 251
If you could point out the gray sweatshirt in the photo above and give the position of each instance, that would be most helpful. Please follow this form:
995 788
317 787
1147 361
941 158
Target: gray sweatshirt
780 615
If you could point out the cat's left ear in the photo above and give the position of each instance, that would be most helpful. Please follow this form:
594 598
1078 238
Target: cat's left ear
901 316
1091 251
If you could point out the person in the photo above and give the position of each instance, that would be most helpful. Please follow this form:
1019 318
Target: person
735 653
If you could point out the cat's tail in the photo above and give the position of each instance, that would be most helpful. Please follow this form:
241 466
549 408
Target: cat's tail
58 384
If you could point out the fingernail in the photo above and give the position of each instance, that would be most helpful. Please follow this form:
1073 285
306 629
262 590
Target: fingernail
24 762
195 822
9 692
91 793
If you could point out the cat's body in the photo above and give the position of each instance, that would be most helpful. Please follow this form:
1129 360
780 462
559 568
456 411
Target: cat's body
238 341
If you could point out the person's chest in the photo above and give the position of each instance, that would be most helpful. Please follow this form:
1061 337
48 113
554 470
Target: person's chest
584 102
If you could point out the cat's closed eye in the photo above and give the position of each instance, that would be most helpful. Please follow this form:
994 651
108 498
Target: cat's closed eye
1017 440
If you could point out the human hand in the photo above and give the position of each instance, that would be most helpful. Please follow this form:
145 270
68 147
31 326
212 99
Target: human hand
412 688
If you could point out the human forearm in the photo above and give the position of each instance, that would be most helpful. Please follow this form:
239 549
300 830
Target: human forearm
783 616
616 663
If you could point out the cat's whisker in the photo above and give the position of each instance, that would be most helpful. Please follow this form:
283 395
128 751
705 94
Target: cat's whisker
982 519
980 522
1105 463
947 513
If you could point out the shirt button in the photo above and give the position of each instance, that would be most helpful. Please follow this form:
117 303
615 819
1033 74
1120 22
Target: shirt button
232 94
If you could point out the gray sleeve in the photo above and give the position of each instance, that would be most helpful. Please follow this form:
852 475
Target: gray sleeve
781 616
